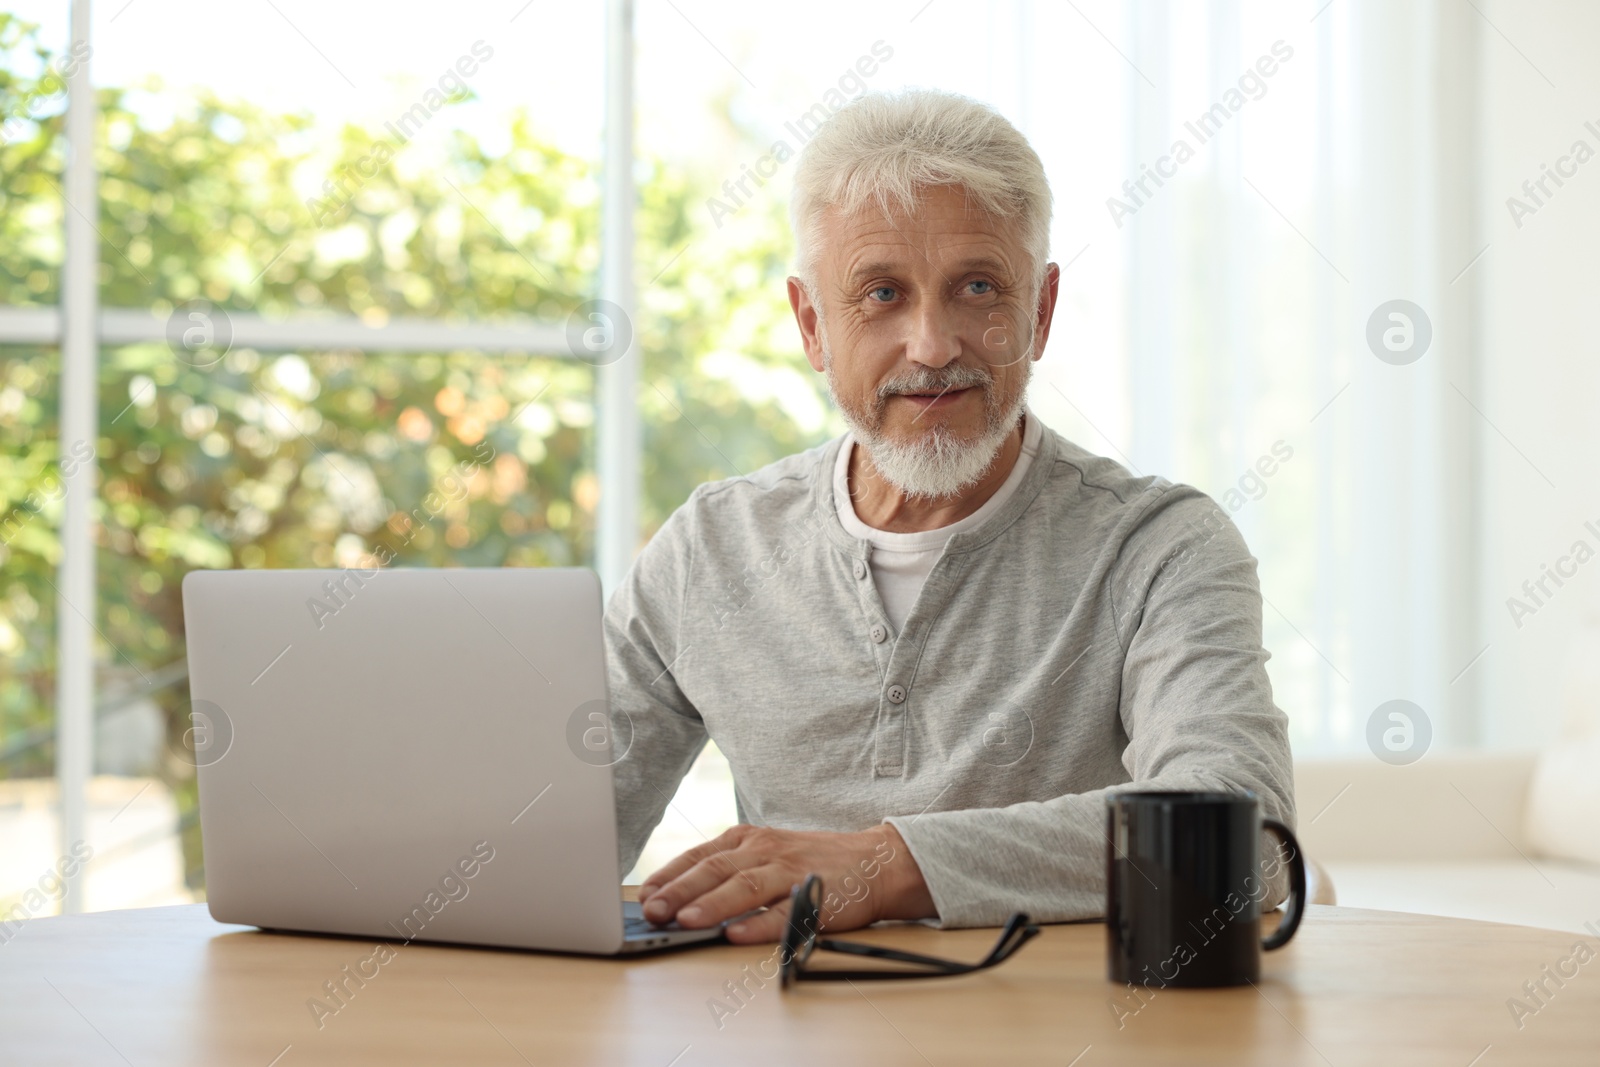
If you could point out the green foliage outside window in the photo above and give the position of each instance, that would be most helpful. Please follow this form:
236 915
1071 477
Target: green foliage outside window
321 459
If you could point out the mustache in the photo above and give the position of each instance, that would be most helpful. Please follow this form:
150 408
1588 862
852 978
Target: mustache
946 379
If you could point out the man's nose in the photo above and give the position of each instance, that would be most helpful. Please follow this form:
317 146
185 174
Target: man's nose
933 341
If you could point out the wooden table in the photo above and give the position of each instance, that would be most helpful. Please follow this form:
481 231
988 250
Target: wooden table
168 986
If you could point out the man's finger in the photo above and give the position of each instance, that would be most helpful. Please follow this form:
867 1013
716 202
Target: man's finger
724 897
723 842
737 869
767 926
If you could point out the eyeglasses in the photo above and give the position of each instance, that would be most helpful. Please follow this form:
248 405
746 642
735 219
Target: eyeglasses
800 940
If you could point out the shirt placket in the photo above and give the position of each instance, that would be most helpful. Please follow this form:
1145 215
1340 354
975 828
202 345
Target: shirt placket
898 656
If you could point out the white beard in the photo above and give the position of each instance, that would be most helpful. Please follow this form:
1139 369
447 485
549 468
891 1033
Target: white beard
936 464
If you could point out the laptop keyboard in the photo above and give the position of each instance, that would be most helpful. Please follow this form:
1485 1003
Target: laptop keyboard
637 925
634 924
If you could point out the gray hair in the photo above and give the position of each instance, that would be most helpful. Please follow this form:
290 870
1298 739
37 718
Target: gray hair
885 148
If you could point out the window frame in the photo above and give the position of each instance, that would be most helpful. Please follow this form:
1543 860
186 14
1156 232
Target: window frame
79 326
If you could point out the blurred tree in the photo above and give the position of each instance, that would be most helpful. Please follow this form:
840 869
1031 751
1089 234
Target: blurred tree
320 459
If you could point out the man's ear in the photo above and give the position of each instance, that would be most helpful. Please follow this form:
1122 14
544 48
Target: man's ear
805 316
1045 313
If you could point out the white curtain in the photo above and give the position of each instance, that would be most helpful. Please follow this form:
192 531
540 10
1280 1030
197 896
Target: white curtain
1290 168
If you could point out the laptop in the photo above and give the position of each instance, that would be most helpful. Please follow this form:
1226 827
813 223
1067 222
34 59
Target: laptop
410 755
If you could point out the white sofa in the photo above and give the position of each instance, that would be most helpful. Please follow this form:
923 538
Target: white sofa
1508 837
1446 836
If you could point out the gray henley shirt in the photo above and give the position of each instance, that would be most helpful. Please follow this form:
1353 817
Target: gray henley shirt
1100 631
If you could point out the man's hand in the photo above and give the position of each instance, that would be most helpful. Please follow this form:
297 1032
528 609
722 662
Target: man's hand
866 876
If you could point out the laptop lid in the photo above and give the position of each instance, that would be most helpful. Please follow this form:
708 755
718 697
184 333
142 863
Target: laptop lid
406 754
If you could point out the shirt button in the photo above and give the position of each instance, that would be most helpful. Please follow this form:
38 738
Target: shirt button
860 569
878 634
897 694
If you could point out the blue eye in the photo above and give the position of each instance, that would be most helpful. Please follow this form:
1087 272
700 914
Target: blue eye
987 288
882 289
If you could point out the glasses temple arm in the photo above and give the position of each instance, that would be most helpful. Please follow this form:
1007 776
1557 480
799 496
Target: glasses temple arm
1016 933
878 952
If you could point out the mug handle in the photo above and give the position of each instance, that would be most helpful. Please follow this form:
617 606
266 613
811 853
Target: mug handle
1297 889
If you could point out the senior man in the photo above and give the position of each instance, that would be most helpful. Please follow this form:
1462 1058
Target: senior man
930 648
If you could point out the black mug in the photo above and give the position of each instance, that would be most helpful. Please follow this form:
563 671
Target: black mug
1184 887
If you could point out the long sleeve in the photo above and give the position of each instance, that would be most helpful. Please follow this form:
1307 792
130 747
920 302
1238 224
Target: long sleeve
1196 707
656 730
